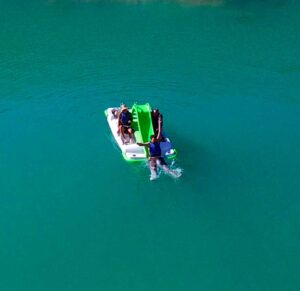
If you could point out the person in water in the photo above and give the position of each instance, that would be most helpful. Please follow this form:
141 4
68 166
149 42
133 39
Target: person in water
157 122
124 123
155 157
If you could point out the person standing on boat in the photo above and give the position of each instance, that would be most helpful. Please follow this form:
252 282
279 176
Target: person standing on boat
124 123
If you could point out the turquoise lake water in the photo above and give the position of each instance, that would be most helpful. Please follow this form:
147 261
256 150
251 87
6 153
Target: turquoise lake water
75 216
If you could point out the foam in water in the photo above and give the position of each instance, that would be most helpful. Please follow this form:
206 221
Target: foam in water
169 170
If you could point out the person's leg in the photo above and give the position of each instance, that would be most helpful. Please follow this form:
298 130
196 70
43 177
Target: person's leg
131 135
126 134
162 164
153 169
122 130
119 129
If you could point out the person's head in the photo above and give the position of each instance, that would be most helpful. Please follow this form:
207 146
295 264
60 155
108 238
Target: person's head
123 107
153 138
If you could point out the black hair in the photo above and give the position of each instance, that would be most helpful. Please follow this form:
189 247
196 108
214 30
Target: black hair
152 136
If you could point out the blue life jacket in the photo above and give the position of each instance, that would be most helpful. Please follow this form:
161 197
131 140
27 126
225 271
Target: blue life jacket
124 118
154 149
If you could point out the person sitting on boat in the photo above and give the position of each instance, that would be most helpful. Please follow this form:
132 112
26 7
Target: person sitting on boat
124 123
157 122
155 157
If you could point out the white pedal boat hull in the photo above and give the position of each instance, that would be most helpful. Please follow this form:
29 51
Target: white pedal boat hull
133 152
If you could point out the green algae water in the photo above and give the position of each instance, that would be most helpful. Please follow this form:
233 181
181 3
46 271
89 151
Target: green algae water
75 216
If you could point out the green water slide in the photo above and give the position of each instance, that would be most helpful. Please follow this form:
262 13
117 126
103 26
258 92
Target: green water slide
142 122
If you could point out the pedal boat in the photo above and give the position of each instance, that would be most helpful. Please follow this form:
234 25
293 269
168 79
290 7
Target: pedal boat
143 129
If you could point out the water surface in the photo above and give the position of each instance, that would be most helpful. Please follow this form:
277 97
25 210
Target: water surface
75 216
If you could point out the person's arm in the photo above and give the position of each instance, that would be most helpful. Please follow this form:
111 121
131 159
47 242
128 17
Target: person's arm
146 144
161 121
159 128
